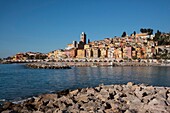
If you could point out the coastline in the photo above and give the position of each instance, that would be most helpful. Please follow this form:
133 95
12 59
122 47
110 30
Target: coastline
128 98
58 64
68 65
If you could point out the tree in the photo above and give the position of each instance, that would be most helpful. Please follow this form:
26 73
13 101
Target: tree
124 34
88 41
145 30
134 33
141 30
150 31
157 35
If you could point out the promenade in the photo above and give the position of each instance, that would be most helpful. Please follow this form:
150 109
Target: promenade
68 65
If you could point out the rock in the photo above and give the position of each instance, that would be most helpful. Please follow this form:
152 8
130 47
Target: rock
48 97
128 98
69 102
147 99
111 90
17 108
63 99
100 111
105 94
149 90
59 111
100 97
90 106
118 87
127 111
74 111
62 106
50 104
117 96
7 105
157 105
168 95
103 91
90 91
37 112
136 100
74 92
83 112
83 91
155 101
97 89
139 92
130 84
7 111
168 101
82 97
108 111
136 106
113 105
49 111
63 93
162 93
107 87
25 111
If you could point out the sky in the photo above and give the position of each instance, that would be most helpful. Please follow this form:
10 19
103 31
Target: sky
47 25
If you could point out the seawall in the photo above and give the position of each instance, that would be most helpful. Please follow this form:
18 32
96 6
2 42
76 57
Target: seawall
128 98
47 66
68 65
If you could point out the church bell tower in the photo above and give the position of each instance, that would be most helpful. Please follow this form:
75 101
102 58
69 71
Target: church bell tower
83 37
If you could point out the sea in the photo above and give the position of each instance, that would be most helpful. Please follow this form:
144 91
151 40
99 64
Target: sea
17 82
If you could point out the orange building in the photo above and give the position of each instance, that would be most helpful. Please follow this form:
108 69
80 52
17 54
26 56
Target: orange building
71 53
81 53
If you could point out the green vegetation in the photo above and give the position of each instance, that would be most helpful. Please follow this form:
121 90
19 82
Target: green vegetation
163 39
148 31
134 33
124 34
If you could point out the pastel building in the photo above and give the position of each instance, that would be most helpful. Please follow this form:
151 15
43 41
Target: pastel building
111 52
81 53
96 52
127 52
19 56
103 52
118 53
89 53
71 53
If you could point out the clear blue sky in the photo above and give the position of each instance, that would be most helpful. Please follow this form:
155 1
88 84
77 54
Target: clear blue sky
46 25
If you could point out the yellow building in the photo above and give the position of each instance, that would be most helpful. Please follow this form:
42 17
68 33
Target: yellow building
80 53
103 52
118 53
51 55
96 52
89 53
86 46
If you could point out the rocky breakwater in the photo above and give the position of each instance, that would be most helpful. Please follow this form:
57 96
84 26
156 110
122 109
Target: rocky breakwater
129 98
47 66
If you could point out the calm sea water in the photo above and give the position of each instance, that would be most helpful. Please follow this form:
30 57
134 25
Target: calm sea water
18 82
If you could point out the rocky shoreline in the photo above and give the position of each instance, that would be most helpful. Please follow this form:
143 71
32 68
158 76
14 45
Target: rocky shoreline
47 66
128 98
68 65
